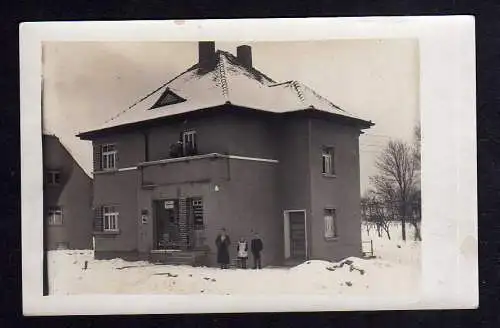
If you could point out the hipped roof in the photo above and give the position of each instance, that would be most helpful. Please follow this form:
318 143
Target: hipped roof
229 82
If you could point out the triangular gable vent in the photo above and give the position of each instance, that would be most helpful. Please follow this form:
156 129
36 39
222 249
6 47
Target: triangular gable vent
168 98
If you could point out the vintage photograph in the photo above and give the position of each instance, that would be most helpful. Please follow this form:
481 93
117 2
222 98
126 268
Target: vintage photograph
232 168
251 165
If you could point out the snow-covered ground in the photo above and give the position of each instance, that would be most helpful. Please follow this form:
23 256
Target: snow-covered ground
394 271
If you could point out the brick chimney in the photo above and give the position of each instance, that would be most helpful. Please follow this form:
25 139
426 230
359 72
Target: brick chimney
206 55
244 54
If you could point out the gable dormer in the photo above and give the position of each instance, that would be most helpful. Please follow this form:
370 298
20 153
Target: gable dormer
168 98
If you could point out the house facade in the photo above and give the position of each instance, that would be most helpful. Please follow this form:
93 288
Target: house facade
67 198
224 146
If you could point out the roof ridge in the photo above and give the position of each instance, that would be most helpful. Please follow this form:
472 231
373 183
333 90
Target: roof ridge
296 86
252 70
222 75
279 83
321 97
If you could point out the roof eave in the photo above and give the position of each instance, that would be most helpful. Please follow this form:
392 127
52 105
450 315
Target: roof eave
89 135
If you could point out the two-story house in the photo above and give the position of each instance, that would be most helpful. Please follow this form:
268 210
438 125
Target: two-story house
67 198
222 145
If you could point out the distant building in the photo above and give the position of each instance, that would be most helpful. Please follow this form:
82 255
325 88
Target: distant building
67 198
224 145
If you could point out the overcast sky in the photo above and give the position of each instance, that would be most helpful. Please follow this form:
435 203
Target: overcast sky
86 83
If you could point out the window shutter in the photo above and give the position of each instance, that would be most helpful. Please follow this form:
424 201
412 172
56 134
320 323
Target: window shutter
117 154
98 219
97 158
332 160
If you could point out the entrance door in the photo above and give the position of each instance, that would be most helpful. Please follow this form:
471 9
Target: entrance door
297 235
167 232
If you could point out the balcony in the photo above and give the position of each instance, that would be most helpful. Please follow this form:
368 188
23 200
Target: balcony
196 168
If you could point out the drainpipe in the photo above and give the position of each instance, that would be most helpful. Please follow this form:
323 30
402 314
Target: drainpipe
146 145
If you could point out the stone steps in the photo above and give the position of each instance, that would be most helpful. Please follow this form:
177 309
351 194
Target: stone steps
193 258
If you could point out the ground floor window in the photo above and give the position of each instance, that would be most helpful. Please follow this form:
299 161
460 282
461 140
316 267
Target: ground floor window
197 210
330 223
110 218
62 245
55 216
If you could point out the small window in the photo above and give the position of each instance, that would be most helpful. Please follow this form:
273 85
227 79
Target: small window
168 98
62 245
110 218
108 157
55 216
328 167
330 223
53 177
189 142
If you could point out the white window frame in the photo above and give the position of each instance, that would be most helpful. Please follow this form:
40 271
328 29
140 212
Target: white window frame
330 221
188 137
51 177
327 157
55 216
109 218
107 155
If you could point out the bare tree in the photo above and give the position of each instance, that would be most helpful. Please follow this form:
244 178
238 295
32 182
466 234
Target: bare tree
417 139
375 213
396 182
415 197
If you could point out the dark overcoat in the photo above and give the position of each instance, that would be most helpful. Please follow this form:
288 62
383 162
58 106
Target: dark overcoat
222 249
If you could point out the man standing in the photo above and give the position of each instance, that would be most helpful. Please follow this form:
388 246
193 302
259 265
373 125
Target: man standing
256 247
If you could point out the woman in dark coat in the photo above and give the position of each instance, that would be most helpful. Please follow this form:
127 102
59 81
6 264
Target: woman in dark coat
223 242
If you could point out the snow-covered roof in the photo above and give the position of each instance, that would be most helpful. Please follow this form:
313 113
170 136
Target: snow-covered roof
79 157
228 82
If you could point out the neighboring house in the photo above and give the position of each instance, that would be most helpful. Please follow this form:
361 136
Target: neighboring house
67 198
223 145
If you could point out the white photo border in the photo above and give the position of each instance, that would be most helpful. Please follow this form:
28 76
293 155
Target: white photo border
449 182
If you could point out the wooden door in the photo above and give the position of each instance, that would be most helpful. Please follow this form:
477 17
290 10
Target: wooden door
297 235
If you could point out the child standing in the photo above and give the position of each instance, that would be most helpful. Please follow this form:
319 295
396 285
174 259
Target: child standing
242 249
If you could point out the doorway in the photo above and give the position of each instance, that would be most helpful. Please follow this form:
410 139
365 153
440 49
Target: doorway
296 244
166 224
178 224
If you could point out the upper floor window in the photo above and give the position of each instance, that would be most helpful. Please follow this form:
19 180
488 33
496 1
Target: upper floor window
328 161
189 145
53 177
108 157
330 217
55 215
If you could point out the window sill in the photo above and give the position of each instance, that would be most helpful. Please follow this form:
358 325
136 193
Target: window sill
328 175
107 233
331 238
109 171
